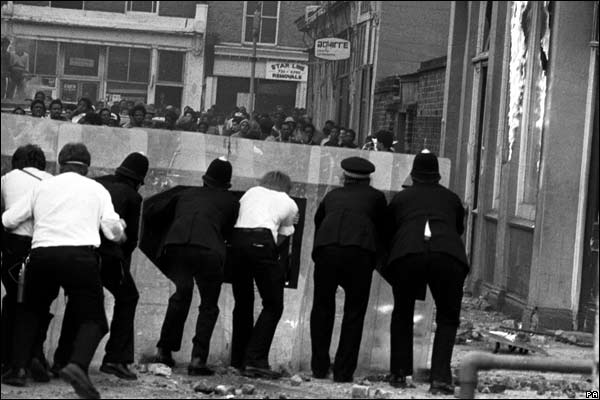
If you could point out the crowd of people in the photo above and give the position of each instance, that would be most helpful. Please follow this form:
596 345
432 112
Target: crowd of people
78 233
277 126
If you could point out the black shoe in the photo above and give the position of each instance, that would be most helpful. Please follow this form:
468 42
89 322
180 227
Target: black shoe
197 367
55 369
119 370
39 371
400 382
15 377
441 388
259 372
76 377
164 357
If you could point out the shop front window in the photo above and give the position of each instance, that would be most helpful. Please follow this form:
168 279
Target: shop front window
81 59
170 66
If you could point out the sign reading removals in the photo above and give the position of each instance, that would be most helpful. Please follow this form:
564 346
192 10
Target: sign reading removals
332 49
283 71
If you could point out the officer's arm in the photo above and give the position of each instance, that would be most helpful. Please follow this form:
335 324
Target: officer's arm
320 215
133 222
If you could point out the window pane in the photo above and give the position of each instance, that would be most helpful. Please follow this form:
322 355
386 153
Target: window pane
269 9
140 65
250 7
170 66
168 96
248 33
126 91
268 30
143 6
75 5
117 63
45 60
108 6
81 59
22 55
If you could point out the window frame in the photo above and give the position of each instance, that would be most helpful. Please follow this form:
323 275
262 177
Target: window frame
155 6
524 208
258 42
183 70
129 50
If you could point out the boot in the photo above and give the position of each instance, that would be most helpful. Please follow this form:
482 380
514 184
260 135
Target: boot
164 357
197 367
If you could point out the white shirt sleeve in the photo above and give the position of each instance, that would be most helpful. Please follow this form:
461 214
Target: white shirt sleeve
290 210
20 212
110 222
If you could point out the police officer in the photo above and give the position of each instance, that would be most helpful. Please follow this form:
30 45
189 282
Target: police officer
194 250
116 272
426 221
349 225
68 212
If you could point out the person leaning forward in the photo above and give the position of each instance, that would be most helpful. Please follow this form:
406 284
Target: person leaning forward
267 215
28 164
68 211
349 224
426 224
116 272
194 250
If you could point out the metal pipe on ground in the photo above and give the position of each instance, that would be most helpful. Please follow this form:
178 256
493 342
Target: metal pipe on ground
476 361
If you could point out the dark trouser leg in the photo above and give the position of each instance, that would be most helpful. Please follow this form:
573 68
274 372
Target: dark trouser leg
322 316
270 280
446 278
356 281
207 317
9 307
243 315
79 274
14 251
41 288
179 307
401 332
68 331
119 348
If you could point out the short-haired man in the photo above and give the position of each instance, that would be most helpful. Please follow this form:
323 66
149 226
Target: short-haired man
38 108
116 272
68 212
137 117
56 109
28 164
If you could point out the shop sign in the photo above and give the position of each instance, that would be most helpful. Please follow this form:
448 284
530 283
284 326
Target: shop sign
69 92
81 62
287 71
332 49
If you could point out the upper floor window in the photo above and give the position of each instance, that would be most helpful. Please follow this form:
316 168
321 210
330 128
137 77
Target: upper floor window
142 6
74 5
268 21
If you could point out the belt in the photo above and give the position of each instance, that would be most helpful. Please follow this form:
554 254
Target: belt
253 230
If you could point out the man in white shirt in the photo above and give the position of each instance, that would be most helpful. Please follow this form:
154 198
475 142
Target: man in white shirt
266 213
68 212
28 164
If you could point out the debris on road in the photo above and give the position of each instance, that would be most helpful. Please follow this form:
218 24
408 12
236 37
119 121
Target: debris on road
159 370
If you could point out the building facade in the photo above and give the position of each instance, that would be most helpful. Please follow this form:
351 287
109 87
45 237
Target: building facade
281 61
143 51
521 126
387 40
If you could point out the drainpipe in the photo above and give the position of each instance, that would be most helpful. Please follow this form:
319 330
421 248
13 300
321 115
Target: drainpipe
476 361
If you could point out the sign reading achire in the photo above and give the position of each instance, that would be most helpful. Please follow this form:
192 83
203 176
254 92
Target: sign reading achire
332 49
282 71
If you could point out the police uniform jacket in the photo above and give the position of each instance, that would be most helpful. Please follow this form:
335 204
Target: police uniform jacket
201 216
353 215
127 203
408 213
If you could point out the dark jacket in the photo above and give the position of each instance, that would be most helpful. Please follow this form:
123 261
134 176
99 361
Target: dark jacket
201 216
407 215
353 215
127 203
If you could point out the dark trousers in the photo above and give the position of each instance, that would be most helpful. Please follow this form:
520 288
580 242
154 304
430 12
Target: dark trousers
256 256
352 269
186 265
116 277
77 271
445 277
15 249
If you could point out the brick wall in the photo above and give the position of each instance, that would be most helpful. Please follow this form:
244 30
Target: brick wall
385 90
428 121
